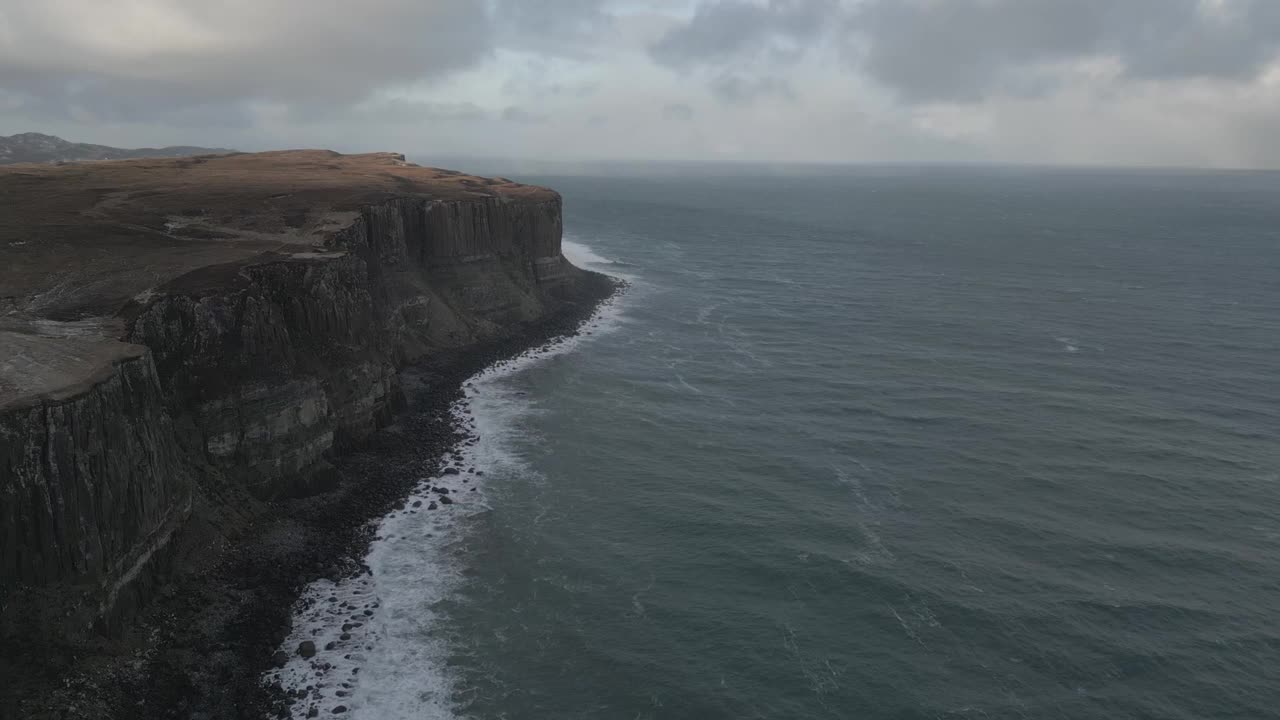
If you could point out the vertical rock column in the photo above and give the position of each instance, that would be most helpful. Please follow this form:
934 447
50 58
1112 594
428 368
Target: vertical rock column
91 485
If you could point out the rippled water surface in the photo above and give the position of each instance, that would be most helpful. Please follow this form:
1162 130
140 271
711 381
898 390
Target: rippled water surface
881 444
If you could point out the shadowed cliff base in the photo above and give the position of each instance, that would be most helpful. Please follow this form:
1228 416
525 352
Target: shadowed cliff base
192 350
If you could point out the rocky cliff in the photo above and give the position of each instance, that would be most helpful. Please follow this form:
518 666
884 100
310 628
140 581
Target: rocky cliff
91 481
184 340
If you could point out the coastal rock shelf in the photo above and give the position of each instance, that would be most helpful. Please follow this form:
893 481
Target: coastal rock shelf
184 340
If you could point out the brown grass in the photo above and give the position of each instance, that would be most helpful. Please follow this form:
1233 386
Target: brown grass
100 232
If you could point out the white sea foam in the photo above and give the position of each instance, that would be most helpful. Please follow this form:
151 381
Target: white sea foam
579 254
1072 345
392 662
584 257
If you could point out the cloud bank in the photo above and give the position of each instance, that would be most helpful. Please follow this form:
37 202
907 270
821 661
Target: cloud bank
1141 82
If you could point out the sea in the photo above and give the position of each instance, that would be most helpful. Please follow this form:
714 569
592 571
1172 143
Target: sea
875 442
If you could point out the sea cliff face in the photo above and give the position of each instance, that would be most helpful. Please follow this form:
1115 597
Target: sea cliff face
238 376
93 487
278 363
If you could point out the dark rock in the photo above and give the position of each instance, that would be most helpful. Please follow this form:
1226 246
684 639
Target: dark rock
451 471
280 659
446 500
432 506
288 362
307 649
340 709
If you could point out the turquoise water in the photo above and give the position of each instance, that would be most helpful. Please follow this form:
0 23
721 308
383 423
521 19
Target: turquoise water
877 444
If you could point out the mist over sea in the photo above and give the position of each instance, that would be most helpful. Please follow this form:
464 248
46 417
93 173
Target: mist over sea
880 443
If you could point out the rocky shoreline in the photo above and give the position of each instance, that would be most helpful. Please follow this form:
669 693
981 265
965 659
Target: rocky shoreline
214 373
201 649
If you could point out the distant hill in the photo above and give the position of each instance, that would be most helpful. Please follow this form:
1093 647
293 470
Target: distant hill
41 148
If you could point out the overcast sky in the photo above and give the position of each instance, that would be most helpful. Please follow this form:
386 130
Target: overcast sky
1133 82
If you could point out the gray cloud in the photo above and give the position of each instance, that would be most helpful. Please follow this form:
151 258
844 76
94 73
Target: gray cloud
154 53
408 111
727 29
1140 81
1234 43
203 64
963 50
739 90
552 27
540 86
124 103
677 111
515 114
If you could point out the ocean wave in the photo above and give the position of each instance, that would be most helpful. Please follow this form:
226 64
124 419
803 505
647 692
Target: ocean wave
381 651
584 256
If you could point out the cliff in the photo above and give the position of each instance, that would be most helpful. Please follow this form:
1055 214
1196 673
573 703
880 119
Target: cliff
184 340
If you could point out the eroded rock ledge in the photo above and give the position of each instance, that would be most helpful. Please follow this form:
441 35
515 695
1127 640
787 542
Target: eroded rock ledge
182 340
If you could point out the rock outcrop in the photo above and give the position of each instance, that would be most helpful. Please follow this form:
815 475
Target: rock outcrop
194 333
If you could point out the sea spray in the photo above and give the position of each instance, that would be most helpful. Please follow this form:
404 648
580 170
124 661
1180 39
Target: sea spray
379 647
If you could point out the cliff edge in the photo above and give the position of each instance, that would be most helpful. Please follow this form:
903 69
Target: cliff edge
186 345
